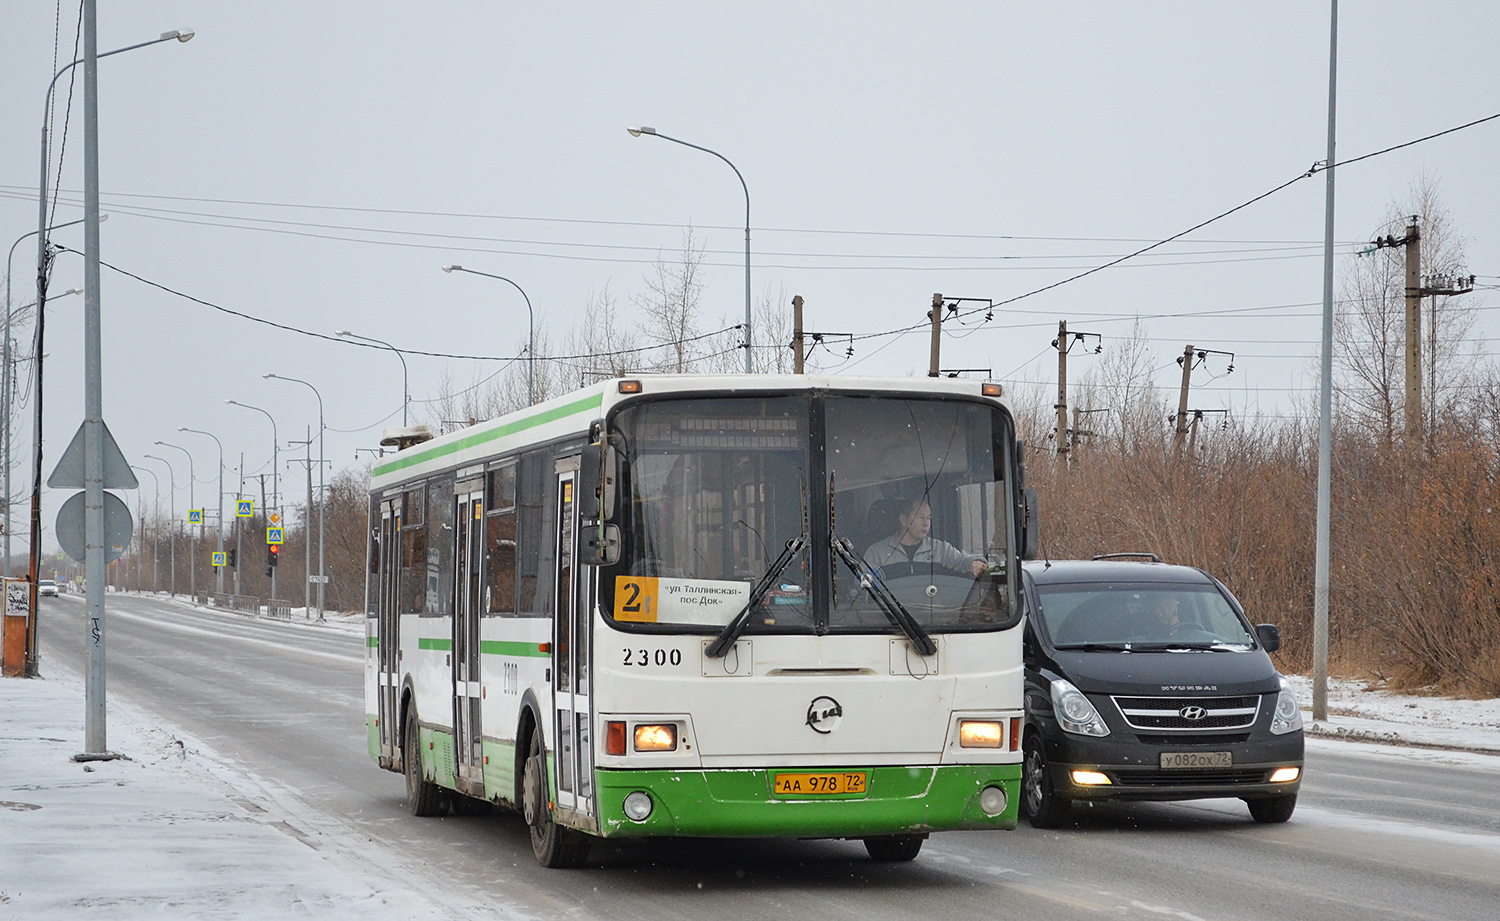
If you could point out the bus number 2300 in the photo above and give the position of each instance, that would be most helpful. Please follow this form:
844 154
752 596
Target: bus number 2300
660 658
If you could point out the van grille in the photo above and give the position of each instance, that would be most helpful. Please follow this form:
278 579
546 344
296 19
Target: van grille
1189 714
1226 778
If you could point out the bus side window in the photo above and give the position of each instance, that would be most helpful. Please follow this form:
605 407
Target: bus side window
413 588
534 535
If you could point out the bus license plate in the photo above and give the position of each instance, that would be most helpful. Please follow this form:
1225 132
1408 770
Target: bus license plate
825 784
1170 760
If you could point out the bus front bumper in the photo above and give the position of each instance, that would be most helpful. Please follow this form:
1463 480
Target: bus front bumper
740 802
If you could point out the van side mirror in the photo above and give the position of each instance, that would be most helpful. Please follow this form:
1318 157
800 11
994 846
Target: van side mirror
1269 636
598 470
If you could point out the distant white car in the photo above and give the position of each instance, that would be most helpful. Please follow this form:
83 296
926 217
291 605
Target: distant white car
46 587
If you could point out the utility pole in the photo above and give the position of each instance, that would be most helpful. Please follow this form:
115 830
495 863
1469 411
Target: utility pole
1413 331
936 316
799 357
1436 286
1182 398
1061 342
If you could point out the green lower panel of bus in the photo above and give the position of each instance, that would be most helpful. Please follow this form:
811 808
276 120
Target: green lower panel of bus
729 803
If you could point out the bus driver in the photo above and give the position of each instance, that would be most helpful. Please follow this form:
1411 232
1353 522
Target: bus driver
910 547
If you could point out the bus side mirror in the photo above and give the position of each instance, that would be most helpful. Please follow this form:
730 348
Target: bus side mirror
601 545
1269 636
1030 525
597 472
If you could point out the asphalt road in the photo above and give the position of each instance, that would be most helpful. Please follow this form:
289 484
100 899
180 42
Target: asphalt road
1375 836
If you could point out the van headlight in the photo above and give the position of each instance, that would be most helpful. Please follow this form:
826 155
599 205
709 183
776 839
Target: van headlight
1288 716
1074 712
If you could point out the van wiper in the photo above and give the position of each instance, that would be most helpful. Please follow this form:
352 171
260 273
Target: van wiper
886 601
1216 646
731 632
1097 647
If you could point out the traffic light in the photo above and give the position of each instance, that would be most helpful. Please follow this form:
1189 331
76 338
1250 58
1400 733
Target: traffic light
273 553
234 558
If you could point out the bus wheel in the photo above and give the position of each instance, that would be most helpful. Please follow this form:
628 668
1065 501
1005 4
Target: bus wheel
423 798
894 848
555 846
1043 806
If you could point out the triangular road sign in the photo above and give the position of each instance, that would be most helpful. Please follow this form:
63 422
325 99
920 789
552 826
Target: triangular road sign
69 471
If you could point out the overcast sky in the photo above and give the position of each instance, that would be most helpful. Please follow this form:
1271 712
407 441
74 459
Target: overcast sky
315 164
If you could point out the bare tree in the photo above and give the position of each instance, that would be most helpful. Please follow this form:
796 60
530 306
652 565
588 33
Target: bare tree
1370 337
674 293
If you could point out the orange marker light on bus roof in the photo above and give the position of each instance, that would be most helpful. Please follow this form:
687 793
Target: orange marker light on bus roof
630 386
990 389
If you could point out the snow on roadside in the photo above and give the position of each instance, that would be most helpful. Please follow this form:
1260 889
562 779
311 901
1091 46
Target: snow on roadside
1359 713
169 830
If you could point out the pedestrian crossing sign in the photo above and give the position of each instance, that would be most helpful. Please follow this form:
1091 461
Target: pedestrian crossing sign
218 558
244 508
195 516
275 536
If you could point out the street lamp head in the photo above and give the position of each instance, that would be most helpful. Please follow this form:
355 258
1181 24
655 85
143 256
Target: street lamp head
268 376
341 333
182 35
452 268
637 132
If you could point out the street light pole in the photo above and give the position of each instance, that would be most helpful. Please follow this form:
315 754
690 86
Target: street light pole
94 732
192 503
218 570
155 531
405 385
530 325
322 494
172 514
637 132
275 474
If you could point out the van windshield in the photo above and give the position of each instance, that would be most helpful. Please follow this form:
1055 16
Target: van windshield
1139 615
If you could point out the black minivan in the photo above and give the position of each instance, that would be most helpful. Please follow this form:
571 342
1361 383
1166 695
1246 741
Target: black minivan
1146 681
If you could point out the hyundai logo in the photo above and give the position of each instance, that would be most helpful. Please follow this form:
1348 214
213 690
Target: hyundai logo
1193 714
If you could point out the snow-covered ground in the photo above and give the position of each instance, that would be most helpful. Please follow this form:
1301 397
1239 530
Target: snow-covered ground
173 829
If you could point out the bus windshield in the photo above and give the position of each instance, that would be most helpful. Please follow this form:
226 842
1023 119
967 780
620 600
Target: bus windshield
911 488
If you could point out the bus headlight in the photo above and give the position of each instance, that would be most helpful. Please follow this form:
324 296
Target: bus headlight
980 734
1074 712
1288 716
638 806
656 738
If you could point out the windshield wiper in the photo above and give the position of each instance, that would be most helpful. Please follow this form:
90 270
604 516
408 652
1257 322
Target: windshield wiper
886 601
731 632
1216 646
1097 647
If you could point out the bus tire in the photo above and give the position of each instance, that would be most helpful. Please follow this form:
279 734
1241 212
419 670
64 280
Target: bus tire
1042 805
423 798
1272 810
894 848
555 847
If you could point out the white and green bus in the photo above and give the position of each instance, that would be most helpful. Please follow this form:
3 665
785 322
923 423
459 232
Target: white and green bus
708 606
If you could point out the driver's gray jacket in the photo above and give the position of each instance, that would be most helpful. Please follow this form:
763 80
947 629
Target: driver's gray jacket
889 552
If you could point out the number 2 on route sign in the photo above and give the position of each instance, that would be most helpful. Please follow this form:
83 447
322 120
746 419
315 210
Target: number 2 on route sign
275 536
244 508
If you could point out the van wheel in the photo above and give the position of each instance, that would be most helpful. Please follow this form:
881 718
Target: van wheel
555 846
1272 810
1043 806
423 798
894 848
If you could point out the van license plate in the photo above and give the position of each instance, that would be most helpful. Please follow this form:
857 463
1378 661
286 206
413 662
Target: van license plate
829 784
1172 760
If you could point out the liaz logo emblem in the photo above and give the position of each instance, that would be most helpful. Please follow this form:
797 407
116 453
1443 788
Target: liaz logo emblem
824 715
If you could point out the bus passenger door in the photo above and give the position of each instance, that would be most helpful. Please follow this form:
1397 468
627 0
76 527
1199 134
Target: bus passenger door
388 632
570 657
468 565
